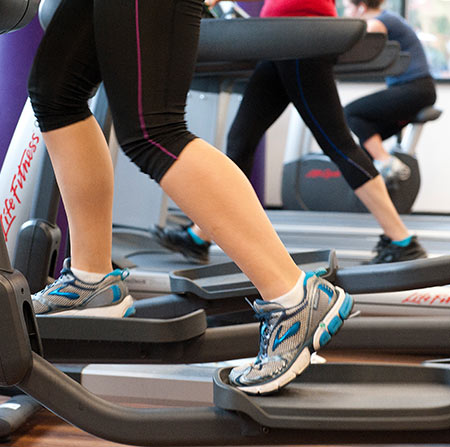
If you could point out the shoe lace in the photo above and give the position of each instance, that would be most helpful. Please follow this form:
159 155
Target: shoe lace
385 250
265 328
64 272
382 244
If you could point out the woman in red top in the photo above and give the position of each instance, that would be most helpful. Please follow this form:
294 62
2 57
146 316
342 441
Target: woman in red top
310 86
296 8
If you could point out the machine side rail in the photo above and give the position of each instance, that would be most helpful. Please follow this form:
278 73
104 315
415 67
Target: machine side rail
16 14
252 39
366 49
372 47
124 330
242 341
387 57
370 53
395 69
413 335
401 64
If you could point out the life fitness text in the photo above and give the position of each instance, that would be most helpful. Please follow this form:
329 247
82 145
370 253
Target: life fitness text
8 215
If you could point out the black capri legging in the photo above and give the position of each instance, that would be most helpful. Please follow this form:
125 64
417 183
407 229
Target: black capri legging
310 86
144 52
386 112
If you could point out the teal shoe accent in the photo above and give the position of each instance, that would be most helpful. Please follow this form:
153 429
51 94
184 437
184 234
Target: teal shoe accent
130 312
289 333
68 295
327 290
346 307
334 325
197 239
324 339
321 271
125 273
117 293
403 243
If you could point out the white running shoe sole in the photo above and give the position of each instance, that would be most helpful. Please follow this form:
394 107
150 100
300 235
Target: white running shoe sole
115 311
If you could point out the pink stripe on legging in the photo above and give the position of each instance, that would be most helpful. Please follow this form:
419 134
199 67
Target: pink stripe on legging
140 108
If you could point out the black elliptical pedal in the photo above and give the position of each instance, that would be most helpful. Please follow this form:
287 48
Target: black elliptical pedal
348 397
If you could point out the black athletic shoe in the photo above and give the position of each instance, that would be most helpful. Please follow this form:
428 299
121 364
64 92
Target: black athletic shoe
179 240
386 251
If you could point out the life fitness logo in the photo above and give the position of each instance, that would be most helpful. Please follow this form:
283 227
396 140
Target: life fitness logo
429 297
18 180
323 173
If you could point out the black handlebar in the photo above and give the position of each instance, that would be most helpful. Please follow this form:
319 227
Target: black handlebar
15 14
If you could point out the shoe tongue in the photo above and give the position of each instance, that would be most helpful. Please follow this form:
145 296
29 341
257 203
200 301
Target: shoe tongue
261 306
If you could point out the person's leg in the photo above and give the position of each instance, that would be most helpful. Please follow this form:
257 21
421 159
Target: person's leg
81 162
74 140
364 119
263 101
205 183
81 147
374 146
232 216
375 197
371 130
311 87
382 114
147 72
391 168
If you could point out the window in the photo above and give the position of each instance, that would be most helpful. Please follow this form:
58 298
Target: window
393 5
431 21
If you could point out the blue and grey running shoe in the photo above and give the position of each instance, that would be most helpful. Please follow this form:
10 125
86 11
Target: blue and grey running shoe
68 295
288 336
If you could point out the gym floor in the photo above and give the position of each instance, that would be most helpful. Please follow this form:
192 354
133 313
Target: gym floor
45 429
